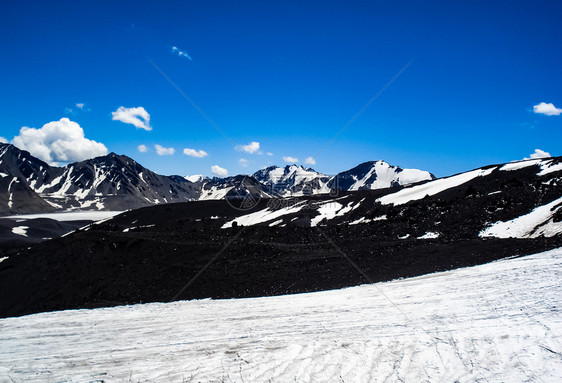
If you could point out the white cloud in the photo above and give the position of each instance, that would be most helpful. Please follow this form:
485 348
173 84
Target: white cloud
548 109
142 148
81 107
251 148
58 141
162 151
290 160
3 140
539 154
310 161
218 171
269 154
244 162
181 53
138 116
195 153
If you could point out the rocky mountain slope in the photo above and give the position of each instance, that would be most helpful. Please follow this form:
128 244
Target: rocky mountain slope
110 182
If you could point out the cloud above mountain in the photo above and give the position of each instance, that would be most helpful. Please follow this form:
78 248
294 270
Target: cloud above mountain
195 153
539 154
251 148
3 140
137 116
142 148
58 141
218 171
290 160
310 161
162 151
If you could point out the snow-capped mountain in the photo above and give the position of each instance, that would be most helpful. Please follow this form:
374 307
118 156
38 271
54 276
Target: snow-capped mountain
115 182
110 182
19 170
377 175
238 187
292 180
196 178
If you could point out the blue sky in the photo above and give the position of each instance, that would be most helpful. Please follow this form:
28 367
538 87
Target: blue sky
288 75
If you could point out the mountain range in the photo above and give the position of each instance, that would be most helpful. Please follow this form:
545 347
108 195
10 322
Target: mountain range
276 245
116 182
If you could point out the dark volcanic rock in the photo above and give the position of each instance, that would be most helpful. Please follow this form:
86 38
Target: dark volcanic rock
109 265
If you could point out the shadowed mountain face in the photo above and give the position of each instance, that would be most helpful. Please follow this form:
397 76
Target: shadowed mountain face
288 245
110 182
115 182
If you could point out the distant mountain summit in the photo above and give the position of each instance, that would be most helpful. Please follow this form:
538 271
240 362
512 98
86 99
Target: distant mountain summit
378 175
116 182
292 180
296 180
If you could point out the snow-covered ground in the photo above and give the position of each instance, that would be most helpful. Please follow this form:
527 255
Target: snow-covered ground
499 322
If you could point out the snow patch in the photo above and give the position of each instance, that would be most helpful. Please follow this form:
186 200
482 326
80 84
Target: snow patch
548 167
520 164
263 216
327 211
69 216
429 235
537 223
20 230
432 187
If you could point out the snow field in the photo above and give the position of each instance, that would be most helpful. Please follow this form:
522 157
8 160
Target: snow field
498 322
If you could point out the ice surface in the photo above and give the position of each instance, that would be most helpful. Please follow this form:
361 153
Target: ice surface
499 322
